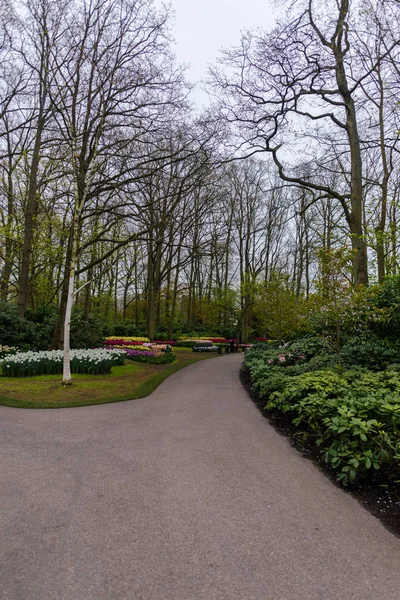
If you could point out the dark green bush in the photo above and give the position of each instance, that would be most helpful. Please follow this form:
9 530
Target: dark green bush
228 333
371 353
162 336
86 334
320 361
124 328
33 332
186 344
310 346
11 325
388 296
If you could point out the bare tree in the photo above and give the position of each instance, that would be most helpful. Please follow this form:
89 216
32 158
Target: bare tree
40 34
303 82
114 79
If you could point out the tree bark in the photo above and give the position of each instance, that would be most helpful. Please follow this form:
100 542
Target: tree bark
29 222
355 218
57 342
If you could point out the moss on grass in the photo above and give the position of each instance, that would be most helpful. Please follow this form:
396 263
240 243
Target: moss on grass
127 382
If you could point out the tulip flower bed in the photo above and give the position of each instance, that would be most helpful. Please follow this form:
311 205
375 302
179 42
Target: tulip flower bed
7 351
126 341
190 342
182 341
154 354
151 353
128 347
151 356
26 364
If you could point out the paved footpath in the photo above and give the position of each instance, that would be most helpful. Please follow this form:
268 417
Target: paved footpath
188 494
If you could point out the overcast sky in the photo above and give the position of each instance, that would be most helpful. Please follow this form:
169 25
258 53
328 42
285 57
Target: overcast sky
202 27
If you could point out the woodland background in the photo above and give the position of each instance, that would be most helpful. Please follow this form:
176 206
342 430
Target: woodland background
247 219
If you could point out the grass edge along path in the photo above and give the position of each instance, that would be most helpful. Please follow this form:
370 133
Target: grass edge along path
145 388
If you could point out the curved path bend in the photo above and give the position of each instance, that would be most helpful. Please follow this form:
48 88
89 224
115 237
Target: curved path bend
188 494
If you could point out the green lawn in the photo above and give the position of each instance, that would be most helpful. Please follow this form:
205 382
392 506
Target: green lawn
133 380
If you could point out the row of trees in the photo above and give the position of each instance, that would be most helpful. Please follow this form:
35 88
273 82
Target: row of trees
324 85
116 195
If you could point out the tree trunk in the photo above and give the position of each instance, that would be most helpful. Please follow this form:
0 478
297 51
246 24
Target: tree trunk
380 229
29 223
88 295
57 342
355 218
9 243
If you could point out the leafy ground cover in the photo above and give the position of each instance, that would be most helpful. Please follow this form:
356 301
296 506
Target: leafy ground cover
346 419
352 415
127 382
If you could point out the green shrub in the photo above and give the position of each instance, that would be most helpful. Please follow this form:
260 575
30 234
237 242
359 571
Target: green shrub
267 355
227 333
124 328
162 336
310 346
388 297
33 332
371 353
262 351
320 361
86 334
354 418
186 344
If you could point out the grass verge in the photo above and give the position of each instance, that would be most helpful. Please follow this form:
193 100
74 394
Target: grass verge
128 382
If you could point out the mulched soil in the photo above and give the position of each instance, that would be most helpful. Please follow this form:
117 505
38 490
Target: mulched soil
382 499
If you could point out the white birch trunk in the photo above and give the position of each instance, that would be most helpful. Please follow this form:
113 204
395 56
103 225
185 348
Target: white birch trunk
67 379
80 199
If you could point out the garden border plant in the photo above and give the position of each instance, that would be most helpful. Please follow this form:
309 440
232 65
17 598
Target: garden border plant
157 374
353 416
28 364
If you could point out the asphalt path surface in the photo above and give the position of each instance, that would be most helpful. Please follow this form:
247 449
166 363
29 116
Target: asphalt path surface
188 494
